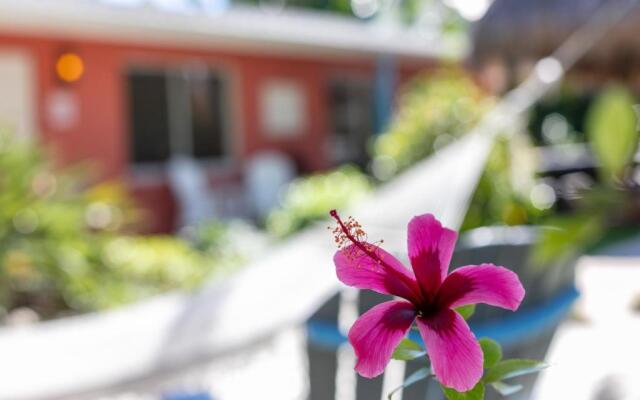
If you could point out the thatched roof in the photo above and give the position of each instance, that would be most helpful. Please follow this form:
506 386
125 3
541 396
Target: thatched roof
516 30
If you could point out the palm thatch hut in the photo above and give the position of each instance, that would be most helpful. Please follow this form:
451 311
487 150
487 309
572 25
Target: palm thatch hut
513 34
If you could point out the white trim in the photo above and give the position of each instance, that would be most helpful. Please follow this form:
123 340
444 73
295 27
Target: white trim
18 108
239 27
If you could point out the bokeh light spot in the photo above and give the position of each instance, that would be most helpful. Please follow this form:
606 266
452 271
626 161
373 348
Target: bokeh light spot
542 196
549 70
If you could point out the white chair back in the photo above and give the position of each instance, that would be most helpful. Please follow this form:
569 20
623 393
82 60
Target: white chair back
266 175
190 185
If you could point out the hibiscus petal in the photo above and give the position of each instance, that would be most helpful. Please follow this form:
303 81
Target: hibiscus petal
355 268
456 356
484 283
430 249
375 335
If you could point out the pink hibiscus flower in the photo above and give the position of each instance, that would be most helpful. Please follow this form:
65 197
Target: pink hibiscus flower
430 294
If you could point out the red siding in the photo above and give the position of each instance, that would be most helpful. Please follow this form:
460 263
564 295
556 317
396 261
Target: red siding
101 134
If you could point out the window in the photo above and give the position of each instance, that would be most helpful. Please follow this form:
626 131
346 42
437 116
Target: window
279 95
176 112
351 110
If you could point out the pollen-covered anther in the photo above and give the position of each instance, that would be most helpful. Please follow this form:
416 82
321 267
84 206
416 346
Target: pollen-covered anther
349 231
351 237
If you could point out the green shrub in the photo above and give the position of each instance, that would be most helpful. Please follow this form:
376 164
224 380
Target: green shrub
435 108
438 108
613 132
497 200
310 198
132 268
60 246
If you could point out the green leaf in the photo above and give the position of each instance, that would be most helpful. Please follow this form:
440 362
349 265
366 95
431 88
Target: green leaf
466 311
565 236
422 373
612 131
408 350
506 389
492 352
512 368
477 393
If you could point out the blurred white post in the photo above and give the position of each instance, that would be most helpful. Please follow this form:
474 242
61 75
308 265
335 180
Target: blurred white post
346 379
17 103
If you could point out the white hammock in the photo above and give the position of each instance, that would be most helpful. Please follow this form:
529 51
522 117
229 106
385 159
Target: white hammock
88 353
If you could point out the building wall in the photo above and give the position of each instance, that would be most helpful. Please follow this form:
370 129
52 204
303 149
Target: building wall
96 127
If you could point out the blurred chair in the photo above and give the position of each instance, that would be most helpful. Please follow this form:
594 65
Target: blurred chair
266 175
189 183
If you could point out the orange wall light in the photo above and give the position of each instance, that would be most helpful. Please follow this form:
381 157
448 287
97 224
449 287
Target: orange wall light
69 67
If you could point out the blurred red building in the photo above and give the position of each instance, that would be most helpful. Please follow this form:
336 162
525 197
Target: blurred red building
128 87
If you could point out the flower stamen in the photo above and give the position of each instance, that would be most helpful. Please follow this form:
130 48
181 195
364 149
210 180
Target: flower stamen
351 232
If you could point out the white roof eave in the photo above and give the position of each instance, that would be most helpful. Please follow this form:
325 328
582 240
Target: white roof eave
297 32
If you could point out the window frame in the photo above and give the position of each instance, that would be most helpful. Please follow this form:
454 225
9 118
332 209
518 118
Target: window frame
355 78
154 172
